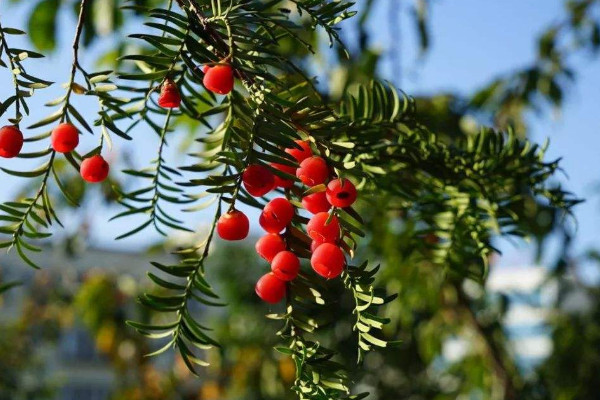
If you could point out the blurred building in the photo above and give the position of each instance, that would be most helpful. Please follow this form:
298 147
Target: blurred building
530 296
74 364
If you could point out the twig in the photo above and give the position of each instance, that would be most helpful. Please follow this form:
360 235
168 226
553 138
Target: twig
13 67
42 189
192 7
75 66
501 369
159 164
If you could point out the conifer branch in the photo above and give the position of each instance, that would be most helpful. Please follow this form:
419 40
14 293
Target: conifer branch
14 66
25 213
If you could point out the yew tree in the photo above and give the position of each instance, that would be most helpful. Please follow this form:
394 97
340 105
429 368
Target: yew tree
237 74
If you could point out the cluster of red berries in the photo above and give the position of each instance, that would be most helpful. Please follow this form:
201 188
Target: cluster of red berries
64 139
323 228
218 79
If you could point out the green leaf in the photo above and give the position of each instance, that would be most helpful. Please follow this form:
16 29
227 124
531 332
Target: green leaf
7 286
27 174
48 120
13 31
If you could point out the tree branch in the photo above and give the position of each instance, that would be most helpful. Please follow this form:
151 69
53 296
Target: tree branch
501 368
193 8
75 66
13 67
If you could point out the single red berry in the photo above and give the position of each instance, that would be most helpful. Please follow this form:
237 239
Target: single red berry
302 153
285 266
328 260
341 193
313 171
269 245
258 180
316 203
219 79
205 69
11 141
64 138
314 244
324 228
282 182
94 169
270 288
276 215
233 226
169 95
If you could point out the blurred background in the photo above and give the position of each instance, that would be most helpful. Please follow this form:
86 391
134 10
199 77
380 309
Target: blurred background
533 326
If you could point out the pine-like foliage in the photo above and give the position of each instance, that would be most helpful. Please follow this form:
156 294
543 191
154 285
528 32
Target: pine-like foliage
464 193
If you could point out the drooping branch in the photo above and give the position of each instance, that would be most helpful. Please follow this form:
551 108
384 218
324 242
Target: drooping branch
26 212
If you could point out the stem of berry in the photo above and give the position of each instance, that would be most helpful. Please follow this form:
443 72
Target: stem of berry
75 65
194 9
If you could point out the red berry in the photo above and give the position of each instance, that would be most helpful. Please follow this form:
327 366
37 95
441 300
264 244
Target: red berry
258 180
322 231
219 79
277 214
316 203
64 138
328 260
94 169
205 69
285 266
169 95
313 171
233 226
282 182
341 193
302 153
11 141
270 288
269 245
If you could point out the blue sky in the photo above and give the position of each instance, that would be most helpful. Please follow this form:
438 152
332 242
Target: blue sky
472 41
